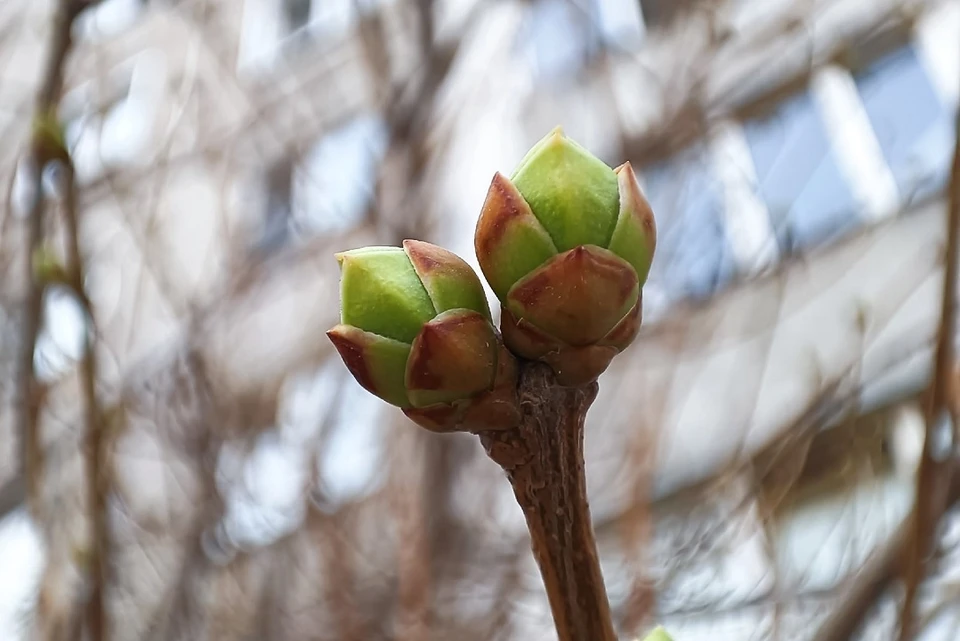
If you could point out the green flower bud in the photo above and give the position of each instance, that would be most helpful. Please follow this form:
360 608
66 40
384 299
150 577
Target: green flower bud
416 331
566 246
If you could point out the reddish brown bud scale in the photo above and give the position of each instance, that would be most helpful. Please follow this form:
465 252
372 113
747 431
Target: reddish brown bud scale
509 240
525 339
626 330
577 296
630 187
450 282
453 357
635 236
497 409
351 353
442 419
505 201
572 365
375 361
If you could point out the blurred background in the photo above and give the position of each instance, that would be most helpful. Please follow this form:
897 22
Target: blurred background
750 460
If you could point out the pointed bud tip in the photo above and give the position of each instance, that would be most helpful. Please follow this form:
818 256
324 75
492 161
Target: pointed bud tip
347 341
377 363
635 236
364 251
571 192
555 138
556 135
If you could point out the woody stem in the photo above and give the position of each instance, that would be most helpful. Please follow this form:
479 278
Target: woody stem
543 459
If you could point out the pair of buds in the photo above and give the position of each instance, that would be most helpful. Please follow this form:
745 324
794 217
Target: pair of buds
565 244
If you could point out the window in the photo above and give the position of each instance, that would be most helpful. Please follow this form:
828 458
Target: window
334 183
693 258
327 190
275 229
296 14
912 125
62 339
22 556
658 13
620 22
109 18
117 133
559 37
798 176
272 30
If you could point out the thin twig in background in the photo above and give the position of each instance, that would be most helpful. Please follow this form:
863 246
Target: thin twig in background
93 424
41 152
863 590
176 607
12 494
340 589
414 576
936 467
46 147
908 546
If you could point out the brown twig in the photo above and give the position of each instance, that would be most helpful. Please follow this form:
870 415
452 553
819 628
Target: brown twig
873 579
93 423
935 470
936 489
866 588
42 151
411 512
47 147
12 494
543 459
332 534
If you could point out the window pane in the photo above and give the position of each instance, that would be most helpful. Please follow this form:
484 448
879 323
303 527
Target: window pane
558 36
798 176
693 258
914 128
109 18
620 21
332 186
662 12
296 14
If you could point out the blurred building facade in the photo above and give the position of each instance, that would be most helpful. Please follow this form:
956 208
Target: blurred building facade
795 153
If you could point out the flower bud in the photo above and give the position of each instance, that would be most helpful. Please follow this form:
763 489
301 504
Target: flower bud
566 246
416 332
